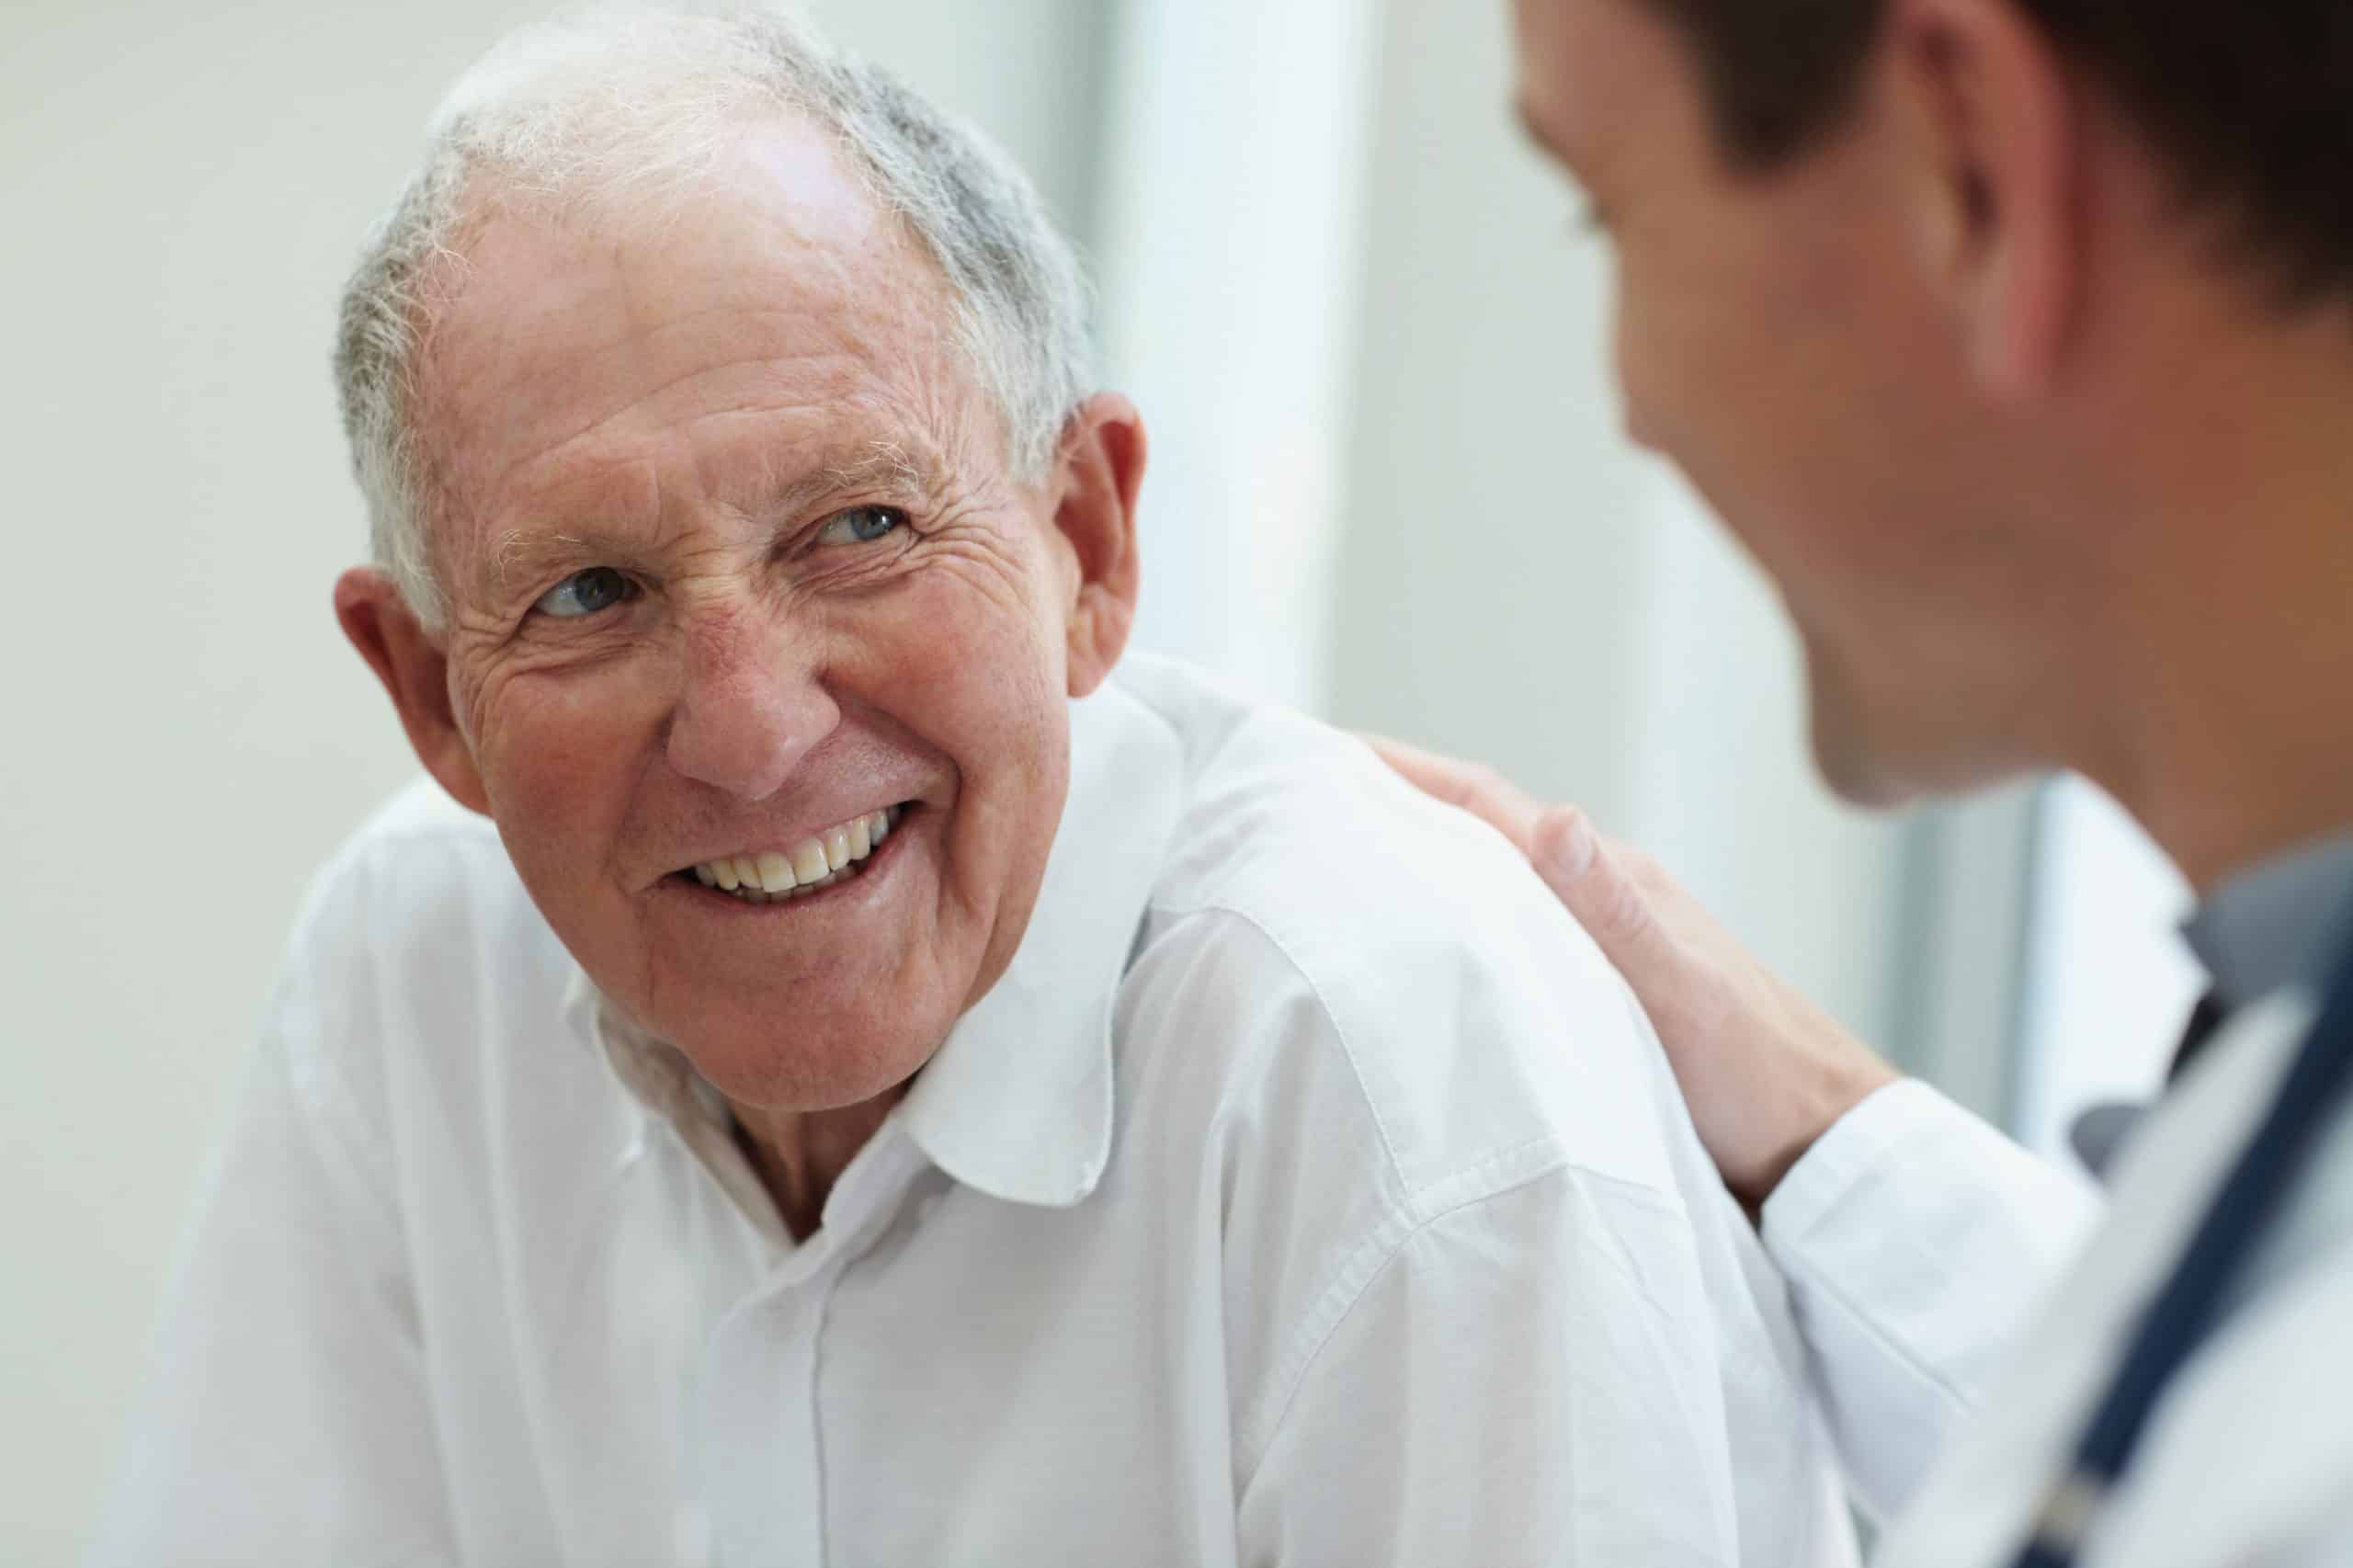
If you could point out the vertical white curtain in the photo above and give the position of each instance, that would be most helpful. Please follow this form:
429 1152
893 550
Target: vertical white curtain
1229 221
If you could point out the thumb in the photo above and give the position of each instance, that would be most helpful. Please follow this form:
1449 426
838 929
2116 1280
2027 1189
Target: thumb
1594 883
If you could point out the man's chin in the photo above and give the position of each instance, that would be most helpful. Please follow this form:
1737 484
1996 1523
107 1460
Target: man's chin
1859 757
1880 767
1857 775
786 1070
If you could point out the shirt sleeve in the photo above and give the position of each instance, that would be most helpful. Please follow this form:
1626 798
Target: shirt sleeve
1526 1379
284 1416
1916 1240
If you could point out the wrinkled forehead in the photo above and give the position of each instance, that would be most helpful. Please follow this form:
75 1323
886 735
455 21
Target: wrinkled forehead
560 328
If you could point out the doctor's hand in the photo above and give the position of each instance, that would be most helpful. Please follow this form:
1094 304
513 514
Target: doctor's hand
1763 1070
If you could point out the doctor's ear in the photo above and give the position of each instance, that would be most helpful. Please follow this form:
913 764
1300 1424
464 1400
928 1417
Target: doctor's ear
415 669
1992 165
1098 471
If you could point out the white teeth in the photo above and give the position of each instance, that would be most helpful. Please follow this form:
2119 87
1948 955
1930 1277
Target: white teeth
771 876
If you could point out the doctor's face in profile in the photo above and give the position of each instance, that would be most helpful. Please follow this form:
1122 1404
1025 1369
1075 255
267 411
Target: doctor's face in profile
1792 339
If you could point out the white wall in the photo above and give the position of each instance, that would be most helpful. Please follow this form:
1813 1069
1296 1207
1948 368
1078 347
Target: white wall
1232 215
185 187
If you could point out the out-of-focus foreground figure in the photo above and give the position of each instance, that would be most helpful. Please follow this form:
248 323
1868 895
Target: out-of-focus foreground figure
2014 339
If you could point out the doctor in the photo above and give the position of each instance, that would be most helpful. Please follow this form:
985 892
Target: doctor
2014 339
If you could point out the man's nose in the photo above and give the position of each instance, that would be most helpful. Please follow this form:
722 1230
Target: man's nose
753 704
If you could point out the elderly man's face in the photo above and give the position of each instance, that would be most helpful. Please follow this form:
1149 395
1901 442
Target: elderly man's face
736 566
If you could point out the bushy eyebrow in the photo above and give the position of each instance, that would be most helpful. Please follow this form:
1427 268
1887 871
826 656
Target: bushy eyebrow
524 556
878 465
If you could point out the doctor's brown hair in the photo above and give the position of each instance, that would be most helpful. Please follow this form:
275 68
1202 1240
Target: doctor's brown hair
2250 101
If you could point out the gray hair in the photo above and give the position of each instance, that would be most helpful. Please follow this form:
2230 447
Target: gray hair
632 107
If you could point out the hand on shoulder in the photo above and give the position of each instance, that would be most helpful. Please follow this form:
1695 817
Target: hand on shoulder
1763 1070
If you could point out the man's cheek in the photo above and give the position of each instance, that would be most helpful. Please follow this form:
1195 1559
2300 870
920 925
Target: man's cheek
541 769
973 685
490 706
1669 362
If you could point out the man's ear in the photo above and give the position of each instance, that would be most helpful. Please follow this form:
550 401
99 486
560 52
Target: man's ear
415 673
1098 472
1994 160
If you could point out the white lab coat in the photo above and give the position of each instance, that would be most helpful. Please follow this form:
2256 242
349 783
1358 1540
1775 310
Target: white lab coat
1914 1237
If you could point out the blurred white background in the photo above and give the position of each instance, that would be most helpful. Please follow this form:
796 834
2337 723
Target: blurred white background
1388 487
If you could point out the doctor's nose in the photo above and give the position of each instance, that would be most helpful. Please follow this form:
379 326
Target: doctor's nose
751 705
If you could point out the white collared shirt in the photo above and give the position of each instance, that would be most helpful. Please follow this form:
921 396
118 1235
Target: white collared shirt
1309 1191
1917 1240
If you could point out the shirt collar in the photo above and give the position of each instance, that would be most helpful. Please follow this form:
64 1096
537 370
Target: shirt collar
2276 925
1018 1101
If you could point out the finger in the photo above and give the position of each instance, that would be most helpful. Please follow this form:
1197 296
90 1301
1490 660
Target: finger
1433 775
1471 785
1595 883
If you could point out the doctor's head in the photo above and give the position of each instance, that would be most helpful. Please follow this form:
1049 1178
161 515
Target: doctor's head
743 527
1956 310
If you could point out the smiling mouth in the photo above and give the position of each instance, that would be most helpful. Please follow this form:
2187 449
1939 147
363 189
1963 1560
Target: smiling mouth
839 854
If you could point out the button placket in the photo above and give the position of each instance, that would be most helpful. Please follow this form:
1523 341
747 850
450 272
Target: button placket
761 1445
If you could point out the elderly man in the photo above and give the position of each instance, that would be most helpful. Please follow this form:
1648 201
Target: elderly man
848 1080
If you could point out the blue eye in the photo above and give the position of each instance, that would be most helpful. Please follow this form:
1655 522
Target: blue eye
862 524
584 593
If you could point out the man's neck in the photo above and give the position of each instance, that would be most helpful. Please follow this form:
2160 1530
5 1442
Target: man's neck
2225 717
800 1154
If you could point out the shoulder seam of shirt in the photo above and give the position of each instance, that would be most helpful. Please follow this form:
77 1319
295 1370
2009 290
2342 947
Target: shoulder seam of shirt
1339 1300
315 1073
1413 1211
1416 1199
1373 1259
1322 1006
330 1114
